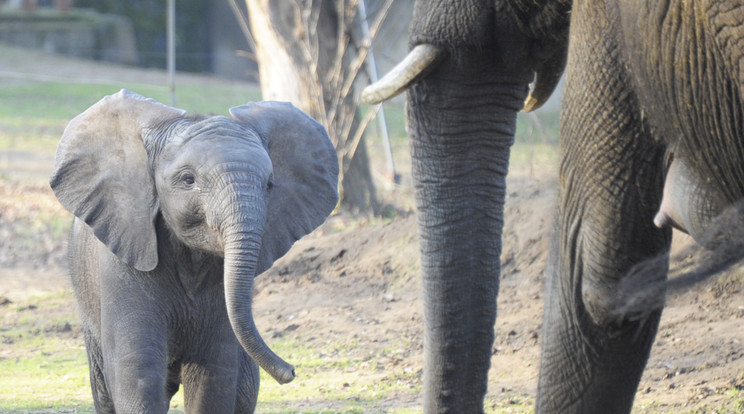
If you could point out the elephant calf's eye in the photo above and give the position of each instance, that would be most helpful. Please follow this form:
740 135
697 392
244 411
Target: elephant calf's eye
188 179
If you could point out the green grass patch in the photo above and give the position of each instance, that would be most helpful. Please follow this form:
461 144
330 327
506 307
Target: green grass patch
52 373
48 102
43 367
538 127
43 362
533 157
510 403
340 378
33 116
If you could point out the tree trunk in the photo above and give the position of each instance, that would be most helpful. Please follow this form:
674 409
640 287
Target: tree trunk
302 58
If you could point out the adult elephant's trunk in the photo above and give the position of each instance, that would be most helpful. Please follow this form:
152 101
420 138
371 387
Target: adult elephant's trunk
462 120
242 237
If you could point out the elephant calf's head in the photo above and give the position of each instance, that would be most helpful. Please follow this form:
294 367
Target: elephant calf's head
209 173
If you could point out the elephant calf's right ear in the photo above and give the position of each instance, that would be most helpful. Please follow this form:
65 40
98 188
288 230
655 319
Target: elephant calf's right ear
305 180
101 174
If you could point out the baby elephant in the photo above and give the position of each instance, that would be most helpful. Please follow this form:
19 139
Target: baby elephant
174 217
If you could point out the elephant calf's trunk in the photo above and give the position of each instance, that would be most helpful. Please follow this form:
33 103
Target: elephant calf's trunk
241 257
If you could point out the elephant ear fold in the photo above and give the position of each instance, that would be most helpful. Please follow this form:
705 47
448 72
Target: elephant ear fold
101 174
304 187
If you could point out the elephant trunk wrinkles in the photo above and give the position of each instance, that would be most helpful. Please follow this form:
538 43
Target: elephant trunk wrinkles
242 238
462 121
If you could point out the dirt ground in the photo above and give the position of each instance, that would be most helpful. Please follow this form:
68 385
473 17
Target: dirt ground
358 278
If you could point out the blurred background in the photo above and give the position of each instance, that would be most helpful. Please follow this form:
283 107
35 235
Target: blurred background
209 36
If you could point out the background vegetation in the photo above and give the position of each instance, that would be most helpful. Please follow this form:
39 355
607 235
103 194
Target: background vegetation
149 20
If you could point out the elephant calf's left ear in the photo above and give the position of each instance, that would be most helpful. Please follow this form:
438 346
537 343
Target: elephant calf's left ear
305 184
101 174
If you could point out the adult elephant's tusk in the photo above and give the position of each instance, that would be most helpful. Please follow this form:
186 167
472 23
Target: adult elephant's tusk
540 93
421 60
532 103
546 79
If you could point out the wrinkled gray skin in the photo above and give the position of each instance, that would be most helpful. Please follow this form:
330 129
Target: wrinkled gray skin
175 216
652 126
649 85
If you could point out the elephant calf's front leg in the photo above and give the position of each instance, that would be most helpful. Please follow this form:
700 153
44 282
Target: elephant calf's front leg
136 376
134 352
211 376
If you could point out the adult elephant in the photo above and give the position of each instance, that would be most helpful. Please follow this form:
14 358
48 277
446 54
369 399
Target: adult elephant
175 216
649 85
474 61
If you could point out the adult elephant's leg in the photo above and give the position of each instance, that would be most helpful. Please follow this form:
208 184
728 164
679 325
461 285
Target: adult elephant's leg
610 187
461 122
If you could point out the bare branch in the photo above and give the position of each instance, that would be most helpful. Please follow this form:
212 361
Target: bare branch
363 50
243 22
357 138
381 16
246 54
